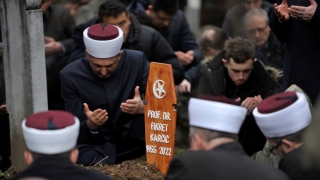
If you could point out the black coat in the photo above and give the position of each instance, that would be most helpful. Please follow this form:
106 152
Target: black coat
224 162
58 24
177 34
80 85
58 168
273 53
291 164
141 38
302 50
215 81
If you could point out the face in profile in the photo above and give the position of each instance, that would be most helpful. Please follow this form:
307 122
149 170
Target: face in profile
122 21
239 73
250 4
104 67
257 29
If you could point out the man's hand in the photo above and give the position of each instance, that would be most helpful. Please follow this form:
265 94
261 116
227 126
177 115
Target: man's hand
52 47
184 87
96 118
281 11
303 13
135 105
185 58
3 109
249 103
258 99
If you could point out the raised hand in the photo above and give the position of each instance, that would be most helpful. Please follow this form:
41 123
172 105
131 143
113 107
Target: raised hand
184 87
96 118
258 99
135 105
3 109
249 103
185 58
281 11
52 46
303 13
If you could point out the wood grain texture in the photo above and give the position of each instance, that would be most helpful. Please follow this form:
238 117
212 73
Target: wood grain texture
160 116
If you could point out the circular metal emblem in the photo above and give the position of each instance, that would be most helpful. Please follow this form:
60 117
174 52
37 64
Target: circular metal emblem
158 90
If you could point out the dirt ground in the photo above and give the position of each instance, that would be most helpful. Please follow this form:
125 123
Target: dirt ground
128 170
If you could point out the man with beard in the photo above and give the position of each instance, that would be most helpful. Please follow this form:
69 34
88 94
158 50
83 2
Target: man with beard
283 119
103 91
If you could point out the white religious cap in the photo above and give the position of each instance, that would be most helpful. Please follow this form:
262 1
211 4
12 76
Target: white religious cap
51 132
216 113
282 114
103 41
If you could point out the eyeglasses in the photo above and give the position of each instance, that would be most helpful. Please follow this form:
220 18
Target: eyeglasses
273 149
260 30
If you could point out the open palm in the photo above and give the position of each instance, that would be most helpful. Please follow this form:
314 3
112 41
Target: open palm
282 11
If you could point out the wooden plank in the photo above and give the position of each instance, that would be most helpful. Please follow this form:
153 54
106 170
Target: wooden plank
160 116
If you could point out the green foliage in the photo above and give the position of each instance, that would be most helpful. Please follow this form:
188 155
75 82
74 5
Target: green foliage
7 174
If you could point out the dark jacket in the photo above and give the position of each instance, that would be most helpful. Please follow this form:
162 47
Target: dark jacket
80 85
216 81
141 38
226 161
58 24
272 53
177 34
291 164
58 168
233 22
302 50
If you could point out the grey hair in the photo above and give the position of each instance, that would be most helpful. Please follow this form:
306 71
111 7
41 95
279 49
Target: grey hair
255 12
207 134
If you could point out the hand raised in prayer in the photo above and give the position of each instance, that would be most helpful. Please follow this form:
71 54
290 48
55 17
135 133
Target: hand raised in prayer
281 11
52 46
303 13
96 118
184 87
3 109
185 58
249 103
135 105
258 99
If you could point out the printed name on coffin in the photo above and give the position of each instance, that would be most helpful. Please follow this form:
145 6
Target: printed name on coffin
159 138
159 127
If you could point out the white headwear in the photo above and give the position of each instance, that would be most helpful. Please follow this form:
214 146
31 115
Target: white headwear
285 121
54 141
103 48
216 115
